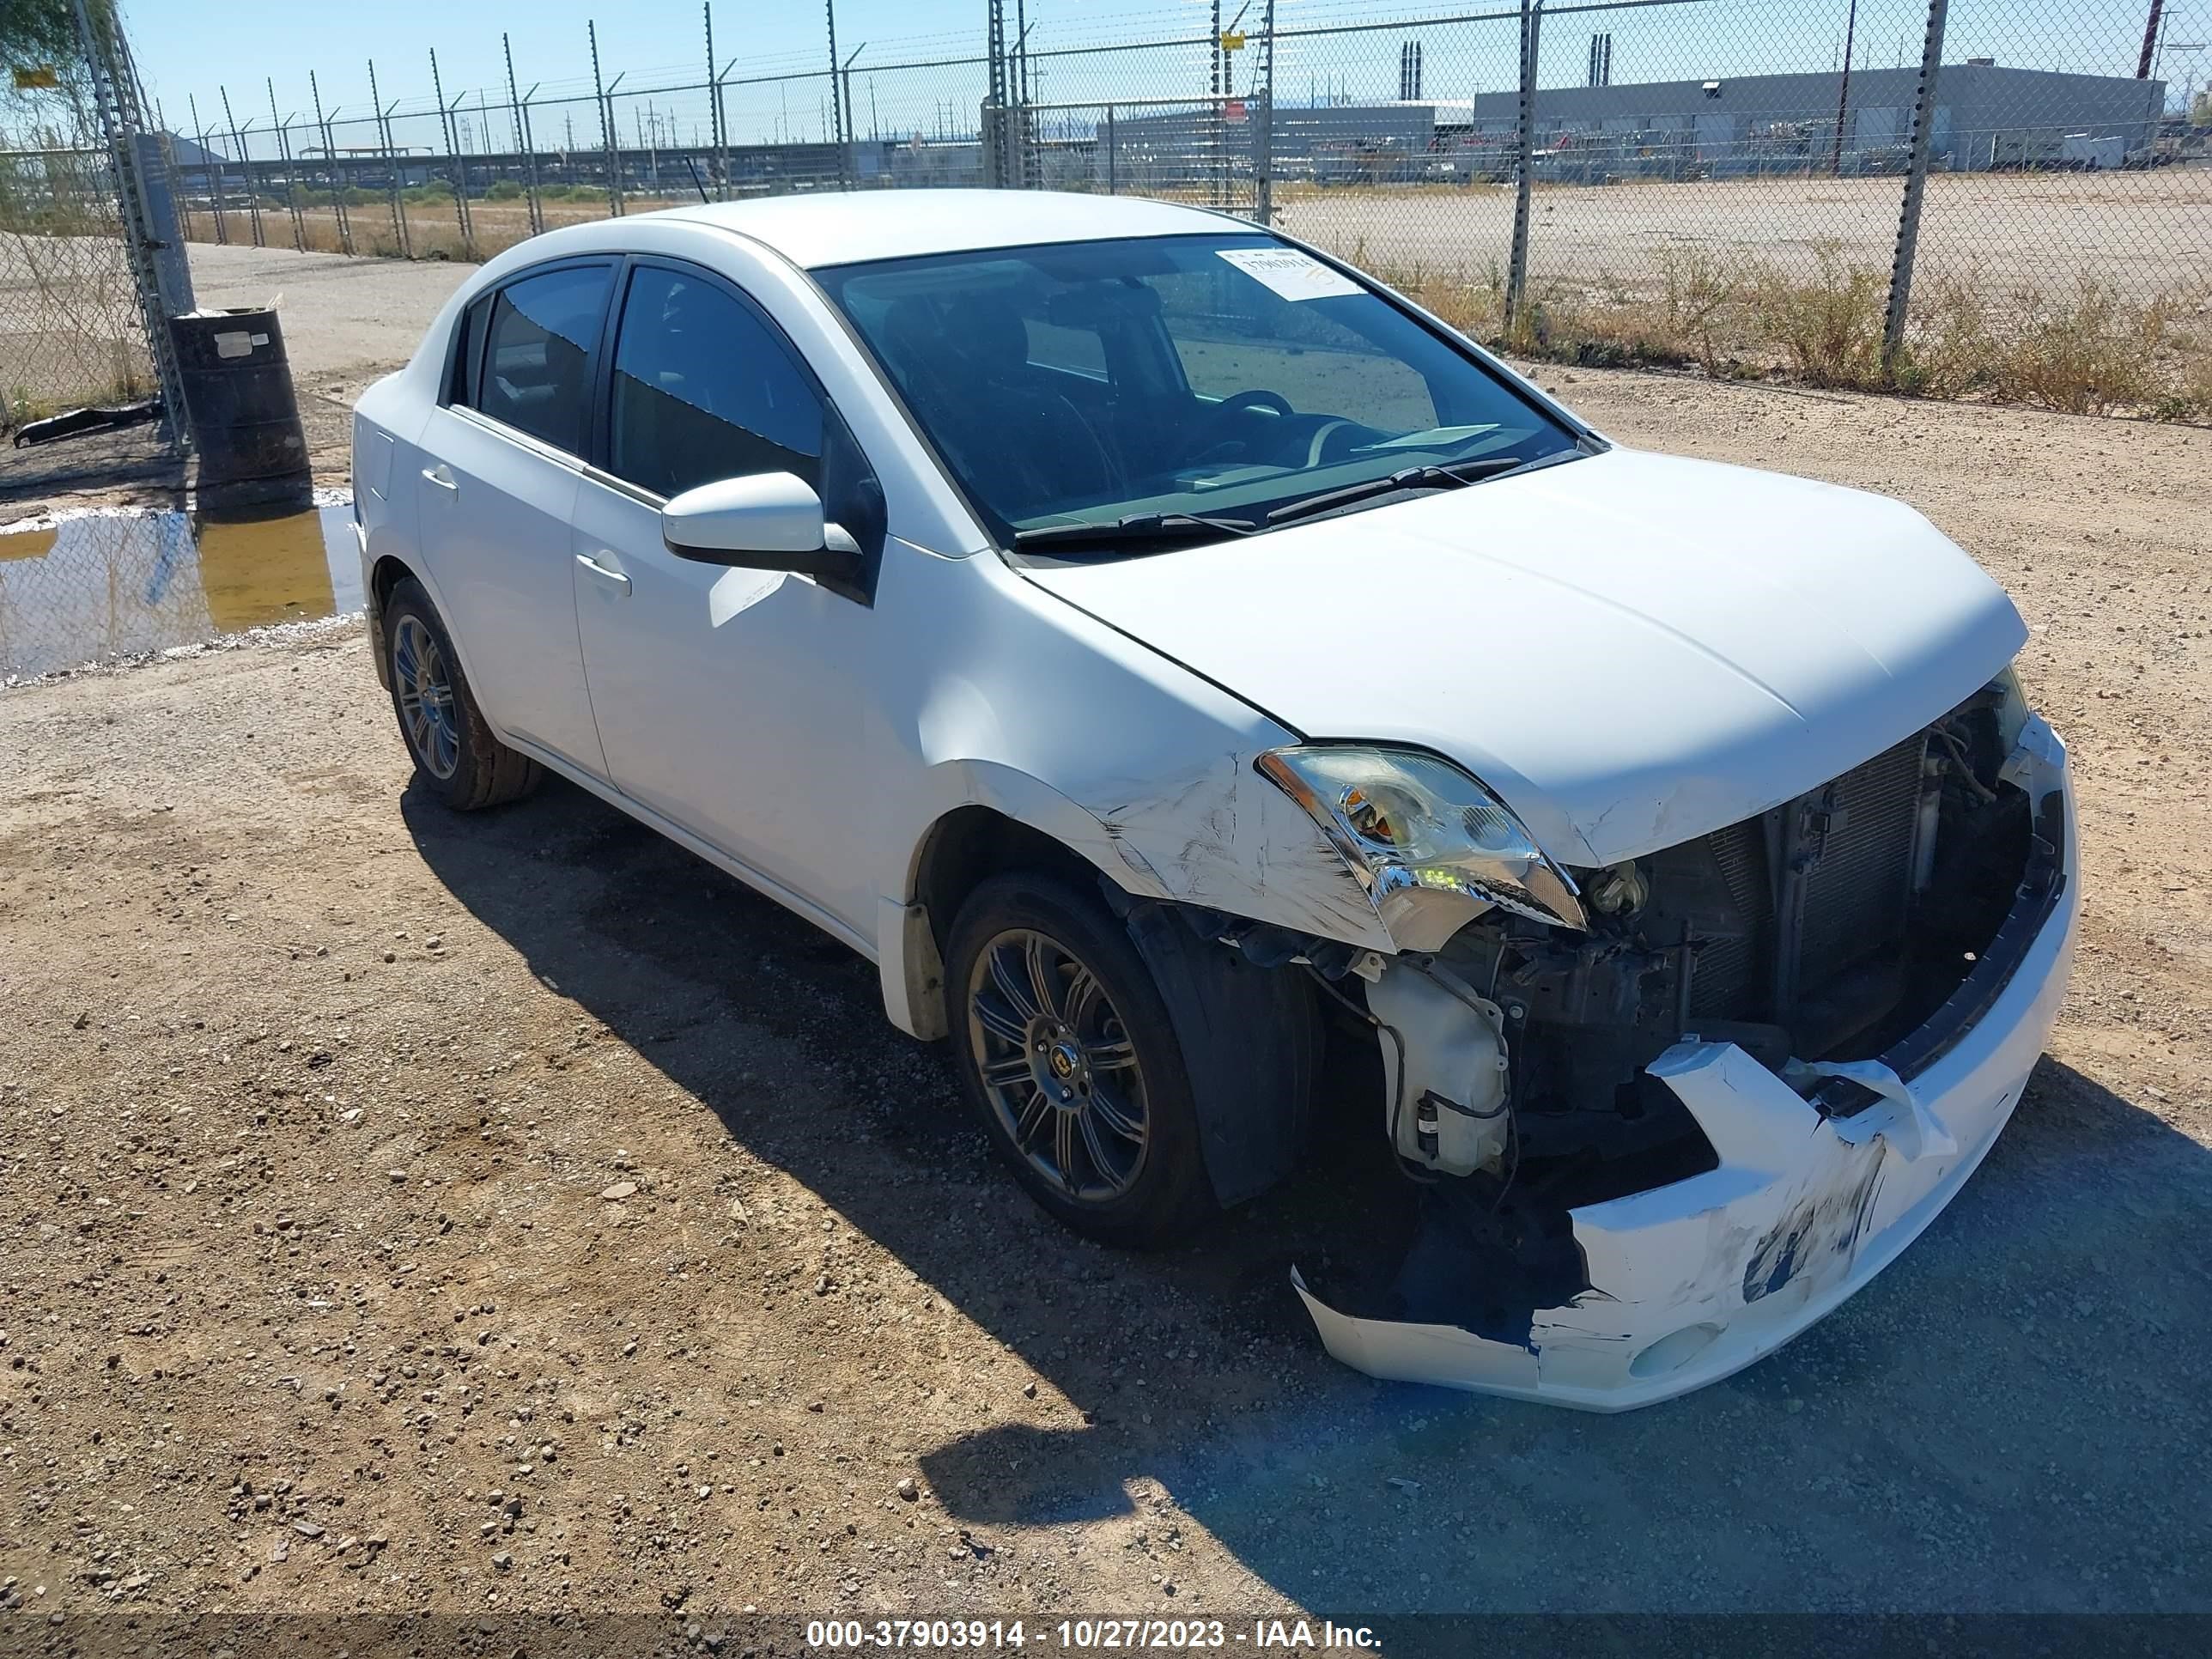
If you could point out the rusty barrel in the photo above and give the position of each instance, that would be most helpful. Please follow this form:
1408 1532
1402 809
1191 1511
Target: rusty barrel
238 393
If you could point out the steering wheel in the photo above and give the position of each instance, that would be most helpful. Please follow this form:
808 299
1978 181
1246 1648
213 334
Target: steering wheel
1216 440
1237 402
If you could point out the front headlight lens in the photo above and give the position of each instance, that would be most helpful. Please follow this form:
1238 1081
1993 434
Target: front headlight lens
1410 824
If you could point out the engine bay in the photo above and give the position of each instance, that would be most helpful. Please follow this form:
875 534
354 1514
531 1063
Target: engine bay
1861 921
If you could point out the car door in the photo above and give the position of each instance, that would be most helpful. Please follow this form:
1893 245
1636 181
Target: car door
727 699
503 455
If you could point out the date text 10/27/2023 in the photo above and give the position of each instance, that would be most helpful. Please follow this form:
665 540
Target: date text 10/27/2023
1091 1635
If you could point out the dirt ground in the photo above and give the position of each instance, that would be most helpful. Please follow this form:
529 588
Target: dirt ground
510 1213
2143 233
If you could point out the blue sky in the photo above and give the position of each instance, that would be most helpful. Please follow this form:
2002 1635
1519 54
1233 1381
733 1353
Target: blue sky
659 43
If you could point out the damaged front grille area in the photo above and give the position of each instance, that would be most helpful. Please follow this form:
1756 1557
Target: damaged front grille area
1826 928
1878 916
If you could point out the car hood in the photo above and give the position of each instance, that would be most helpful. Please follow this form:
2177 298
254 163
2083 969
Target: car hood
1631 649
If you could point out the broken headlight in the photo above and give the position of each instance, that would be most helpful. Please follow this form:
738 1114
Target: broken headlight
1431 846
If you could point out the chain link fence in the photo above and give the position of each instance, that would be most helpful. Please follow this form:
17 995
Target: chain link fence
2010 197
90 263
71 328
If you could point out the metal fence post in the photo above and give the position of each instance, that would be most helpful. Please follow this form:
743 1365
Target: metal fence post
848 165
995 99
330 160
1915 185
715 134
115 99
604 96
453 152
837 102
165 235
244 165
722 138
176 180
535 217
1264 160
212 179
530 164
390 165
1516 265
291 185
1113 182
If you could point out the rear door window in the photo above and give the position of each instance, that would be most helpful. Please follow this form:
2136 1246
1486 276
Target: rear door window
536 374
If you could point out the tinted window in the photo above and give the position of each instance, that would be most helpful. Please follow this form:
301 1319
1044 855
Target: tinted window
1230 332
704 390
1224 376
537 365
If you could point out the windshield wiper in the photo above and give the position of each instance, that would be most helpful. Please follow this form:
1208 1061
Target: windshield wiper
1136 527
1443 476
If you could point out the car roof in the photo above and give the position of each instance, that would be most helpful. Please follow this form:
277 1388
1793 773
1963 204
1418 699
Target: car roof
836 228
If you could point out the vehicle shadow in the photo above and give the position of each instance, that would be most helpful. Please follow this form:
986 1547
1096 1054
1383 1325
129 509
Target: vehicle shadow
2003 1421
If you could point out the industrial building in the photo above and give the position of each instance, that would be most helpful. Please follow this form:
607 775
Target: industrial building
1986 116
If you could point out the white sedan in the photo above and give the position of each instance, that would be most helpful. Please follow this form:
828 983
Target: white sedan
1163 651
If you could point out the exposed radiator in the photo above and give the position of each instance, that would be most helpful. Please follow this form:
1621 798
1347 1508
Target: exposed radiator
1856 894
1857 889
1733 975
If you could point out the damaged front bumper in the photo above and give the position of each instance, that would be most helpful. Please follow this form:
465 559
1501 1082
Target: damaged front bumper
1693 1281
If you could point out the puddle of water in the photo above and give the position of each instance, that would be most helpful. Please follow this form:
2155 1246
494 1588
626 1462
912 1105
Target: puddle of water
122 582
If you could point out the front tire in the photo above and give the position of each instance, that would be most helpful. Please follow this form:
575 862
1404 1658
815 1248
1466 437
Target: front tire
456 756
1068 1055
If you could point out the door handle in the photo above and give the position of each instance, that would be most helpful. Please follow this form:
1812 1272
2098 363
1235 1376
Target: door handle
441 475
614 579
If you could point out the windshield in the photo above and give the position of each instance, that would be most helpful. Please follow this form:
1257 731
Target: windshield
1217 379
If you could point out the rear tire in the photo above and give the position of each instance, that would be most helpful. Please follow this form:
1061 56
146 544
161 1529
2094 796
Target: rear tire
456 756
1069 1057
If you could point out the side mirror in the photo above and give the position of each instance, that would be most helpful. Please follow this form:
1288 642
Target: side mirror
770 521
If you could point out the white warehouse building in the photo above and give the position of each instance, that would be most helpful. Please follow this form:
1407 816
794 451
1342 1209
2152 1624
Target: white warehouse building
1986 116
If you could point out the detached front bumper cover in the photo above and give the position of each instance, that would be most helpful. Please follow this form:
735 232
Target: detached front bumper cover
1694 1280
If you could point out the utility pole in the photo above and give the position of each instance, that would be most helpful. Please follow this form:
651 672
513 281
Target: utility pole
1844 91
2150 39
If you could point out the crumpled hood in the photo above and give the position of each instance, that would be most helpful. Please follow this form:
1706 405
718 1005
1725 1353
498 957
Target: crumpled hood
1631 649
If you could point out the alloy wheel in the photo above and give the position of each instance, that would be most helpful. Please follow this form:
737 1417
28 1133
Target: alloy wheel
425 691
1059 1066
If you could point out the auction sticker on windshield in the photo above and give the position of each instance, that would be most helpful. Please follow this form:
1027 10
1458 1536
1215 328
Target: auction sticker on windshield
1293 275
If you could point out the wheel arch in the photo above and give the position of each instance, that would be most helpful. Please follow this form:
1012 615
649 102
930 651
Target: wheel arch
386 572
960 848
1254 1100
